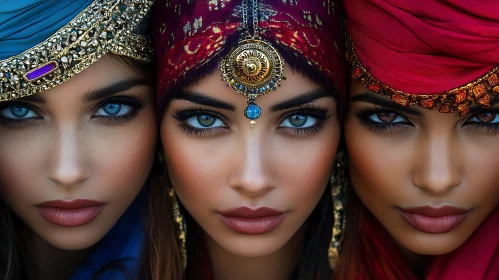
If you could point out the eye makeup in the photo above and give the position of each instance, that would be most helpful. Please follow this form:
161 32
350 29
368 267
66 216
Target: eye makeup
315 112
135 104
369 114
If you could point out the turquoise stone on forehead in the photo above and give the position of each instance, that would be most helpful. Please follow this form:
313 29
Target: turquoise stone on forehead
252 112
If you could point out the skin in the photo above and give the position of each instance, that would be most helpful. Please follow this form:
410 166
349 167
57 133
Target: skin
272 165
425 158
67 147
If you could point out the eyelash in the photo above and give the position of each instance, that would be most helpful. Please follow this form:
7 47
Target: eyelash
135 103
183 116
126 100
317 112
489 128
363 116
17 122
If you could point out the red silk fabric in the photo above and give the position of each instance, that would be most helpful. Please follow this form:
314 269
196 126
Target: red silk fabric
189 34
477 258
425 47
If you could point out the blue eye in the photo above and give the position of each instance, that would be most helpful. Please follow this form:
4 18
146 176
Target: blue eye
299 121
113 109
204 121
18 112
387 118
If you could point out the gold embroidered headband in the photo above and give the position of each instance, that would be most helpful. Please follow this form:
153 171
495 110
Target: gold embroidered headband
105 26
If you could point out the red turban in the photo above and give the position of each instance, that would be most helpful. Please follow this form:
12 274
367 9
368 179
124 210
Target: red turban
426 52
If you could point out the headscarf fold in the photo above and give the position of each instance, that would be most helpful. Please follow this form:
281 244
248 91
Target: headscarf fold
191 34
418 52
25 24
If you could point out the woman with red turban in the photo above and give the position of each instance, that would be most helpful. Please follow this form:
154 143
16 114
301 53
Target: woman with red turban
422 136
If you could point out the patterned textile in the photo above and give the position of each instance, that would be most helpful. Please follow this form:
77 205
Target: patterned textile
190 34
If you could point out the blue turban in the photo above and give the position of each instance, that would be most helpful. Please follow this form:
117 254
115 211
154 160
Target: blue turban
26 23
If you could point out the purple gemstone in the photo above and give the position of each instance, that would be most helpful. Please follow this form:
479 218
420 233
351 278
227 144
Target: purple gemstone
41 71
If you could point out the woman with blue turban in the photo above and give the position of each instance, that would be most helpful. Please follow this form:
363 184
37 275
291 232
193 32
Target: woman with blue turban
78 137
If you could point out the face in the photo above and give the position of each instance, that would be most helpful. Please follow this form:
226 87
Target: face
429 178
250 189
74 158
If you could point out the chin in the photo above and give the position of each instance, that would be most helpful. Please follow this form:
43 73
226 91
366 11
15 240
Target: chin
432 244
72 239
251 246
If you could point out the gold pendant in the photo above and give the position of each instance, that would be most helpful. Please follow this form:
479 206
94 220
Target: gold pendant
253 68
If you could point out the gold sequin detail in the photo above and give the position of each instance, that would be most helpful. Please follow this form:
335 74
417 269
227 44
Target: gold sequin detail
105 26
458 99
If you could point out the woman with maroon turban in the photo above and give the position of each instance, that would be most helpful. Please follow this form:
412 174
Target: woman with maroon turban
422 136
250 94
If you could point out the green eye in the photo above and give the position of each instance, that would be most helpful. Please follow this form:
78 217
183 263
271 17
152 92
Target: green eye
299 121
206 120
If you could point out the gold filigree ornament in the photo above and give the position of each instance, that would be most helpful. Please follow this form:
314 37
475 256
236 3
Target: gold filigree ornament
339 182
252 68
105 26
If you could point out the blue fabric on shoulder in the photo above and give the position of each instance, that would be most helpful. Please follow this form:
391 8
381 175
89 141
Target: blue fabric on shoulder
120 248
24 24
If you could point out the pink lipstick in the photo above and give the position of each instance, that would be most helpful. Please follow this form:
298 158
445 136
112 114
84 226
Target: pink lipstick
252 221
434 220
72 213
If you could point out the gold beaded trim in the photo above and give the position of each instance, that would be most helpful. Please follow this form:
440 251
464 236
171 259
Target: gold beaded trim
104 26
180 223
339 183
459 99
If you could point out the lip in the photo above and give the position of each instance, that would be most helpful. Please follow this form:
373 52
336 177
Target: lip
72 213
252 221
434 220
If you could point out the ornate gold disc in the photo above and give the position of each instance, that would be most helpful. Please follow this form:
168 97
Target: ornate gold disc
253 68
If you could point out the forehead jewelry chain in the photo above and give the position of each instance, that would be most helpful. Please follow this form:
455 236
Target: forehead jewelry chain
252 68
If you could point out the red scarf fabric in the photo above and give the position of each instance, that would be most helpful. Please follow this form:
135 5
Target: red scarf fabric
476 259
425 47
190 34
432 53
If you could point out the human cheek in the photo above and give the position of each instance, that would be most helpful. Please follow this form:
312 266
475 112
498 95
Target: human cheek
197 169
305 167
481 189
379 167
122 157
22 157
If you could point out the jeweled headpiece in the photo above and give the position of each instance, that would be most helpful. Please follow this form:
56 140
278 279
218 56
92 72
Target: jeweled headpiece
98 27
248 39
253 67
437 55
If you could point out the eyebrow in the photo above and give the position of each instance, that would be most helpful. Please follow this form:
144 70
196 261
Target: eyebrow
203 99
477 109
377 100
36 98
114 88
300 100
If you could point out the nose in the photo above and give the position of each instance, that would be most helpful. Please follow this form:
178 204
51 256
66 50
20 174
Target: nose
253 177
66 162
438 170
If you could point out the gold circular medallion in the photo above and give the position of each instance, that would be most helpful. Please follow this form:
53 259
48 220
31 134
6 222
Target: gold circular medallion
253 68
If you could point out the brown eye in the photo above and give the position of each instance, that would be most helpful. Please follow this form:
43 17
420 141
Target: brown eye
387 117
486 117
